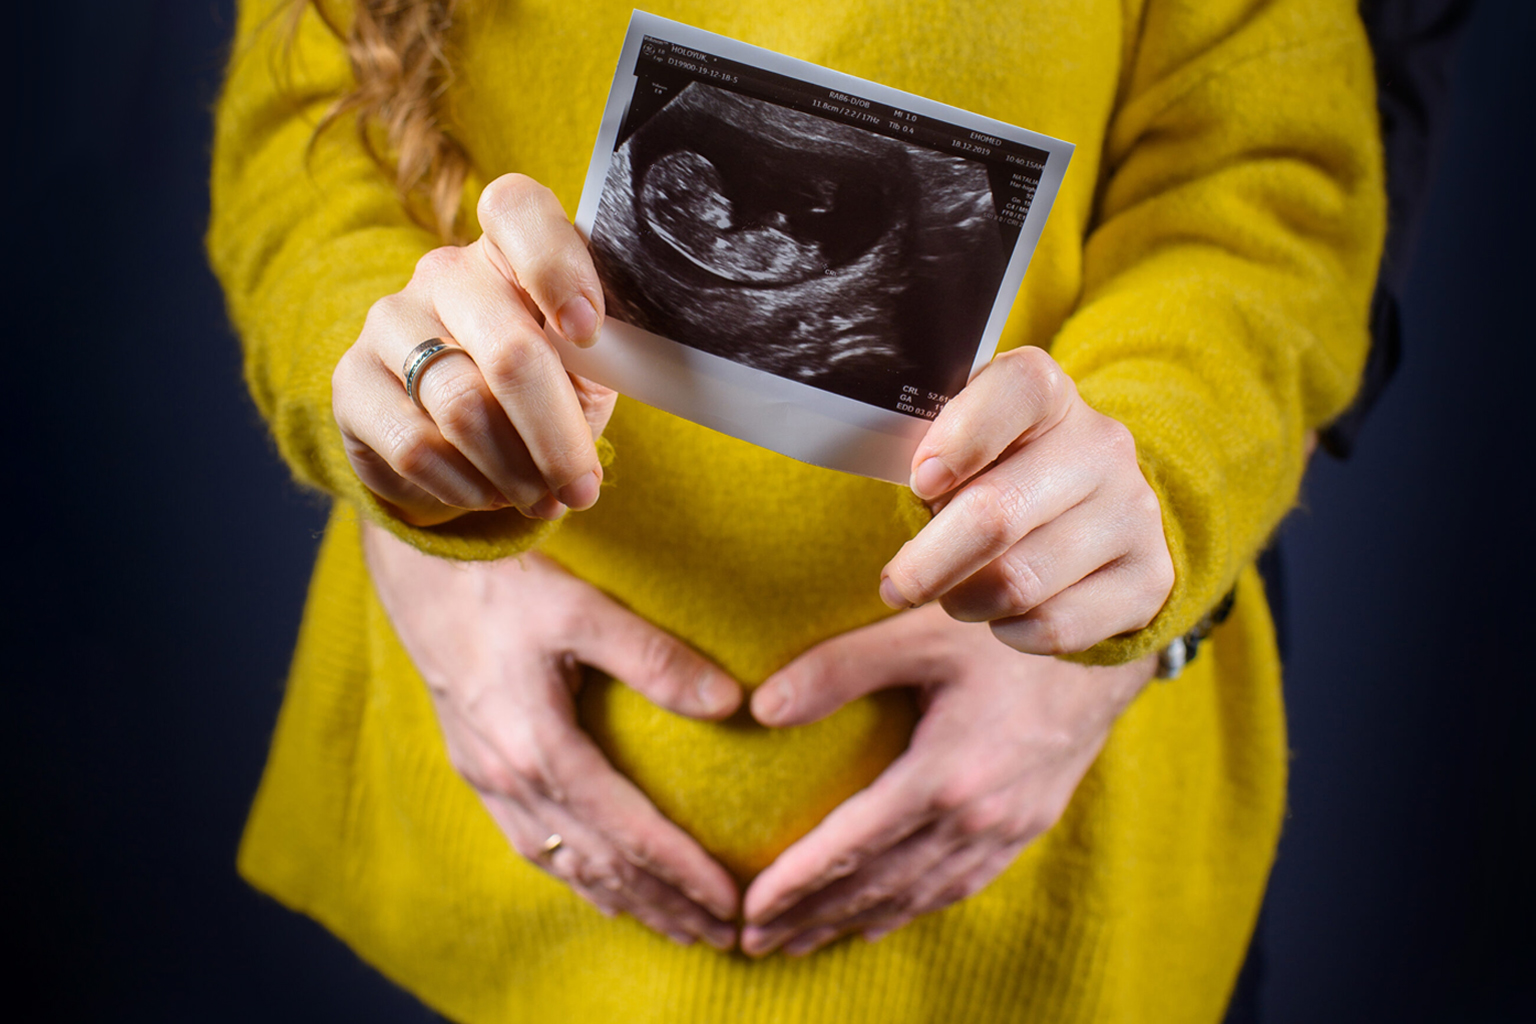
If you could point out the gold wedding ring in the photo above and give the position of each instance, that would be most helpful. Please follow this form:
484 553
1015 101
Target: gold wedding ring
553 843
420 357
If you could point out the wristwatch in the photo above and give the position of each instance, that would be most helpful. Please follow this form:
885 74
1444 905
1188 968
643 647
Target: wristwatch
1172 659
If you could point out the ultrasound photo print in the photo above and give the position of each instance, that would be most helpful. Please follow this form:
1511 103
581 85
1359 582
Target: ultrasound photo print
800 246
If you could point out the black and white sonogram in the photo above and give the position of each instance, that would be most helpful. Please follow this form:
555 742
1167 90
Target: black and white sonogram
798 258
800 246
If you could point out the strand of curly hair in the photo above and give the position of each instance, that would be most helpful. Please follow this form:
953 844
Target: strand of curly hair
397 49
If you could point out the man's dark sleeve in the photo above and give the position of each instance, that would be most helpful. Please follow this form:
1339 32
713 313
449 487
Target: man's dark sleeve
1414 42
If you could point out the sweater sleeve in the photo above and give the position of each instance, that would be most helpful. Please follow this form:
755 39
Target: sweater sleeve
1228 273
304 242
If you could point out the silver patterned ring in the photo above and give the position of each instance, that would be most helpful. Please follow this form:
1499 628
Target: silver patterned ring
420 357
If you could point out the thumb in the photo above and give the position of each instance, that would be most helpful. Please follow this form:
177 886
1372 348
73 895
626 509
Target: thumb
597 402
841 670
655 663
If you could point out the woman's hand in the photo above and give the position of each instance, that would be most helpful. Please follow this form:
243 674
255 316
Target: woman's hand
1004 740
499 645
502 421
1048 530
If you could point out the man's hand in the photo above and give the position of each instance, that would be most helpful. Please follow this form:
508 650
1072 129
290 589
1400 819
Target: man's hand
499 645
1004 740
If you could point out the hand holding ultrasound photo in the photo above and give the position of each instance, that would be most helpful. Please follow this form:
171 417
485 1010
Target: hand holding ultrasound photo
802 259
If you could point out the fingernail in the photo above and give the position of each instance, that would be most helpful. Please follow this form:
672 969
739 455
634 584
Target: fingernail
876 934
681 938
578 321
714 694
754 942
809 942
932 479
772 705
891 596
547 507
582 493
721 938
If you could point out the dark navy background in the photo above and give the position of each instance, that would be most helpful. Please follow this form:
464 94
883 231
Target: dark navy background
158 557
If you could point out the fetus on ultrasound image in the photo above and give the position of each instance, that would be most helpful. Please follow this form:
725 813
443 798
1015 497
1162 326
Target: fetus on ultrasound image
800 246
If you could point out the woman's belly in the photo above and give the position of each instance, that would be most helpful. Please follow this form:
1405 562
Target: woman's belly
743 791
751 558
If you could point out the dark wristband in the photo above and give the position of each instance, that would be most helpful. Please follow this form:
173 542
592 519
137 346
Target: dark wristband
1172 659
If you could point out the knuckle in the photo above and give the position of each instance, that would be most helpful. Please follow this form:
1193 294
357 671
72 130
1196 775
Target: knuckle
641 851
346 365
522 769
1145 504
871 894
1053 742
345 371
512 194
1054 632
1117 440
489 777
381 314
1041 375
435 263
659 660
844 864
359 454
507 357
566 622
989 513
1022 587
501 193
982 816
459 405
955 794
409 450
1042 369
606 872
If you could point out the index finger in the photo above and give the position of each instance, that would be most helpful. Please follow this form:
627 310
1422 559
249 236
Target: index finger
648 659
1031 487
594 791
1017 396
896 651
864 826
532 241
524 375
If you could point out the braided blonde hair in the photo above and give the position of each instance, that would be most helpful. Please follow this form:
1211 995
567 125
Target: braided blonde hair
398 52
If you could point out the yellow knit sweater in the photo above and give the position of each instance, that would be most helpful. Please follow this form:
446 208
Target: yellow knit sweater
1204 277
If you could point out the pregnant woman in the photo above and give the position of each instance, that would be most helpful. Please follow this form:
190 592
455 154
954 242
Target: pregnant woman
580 684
